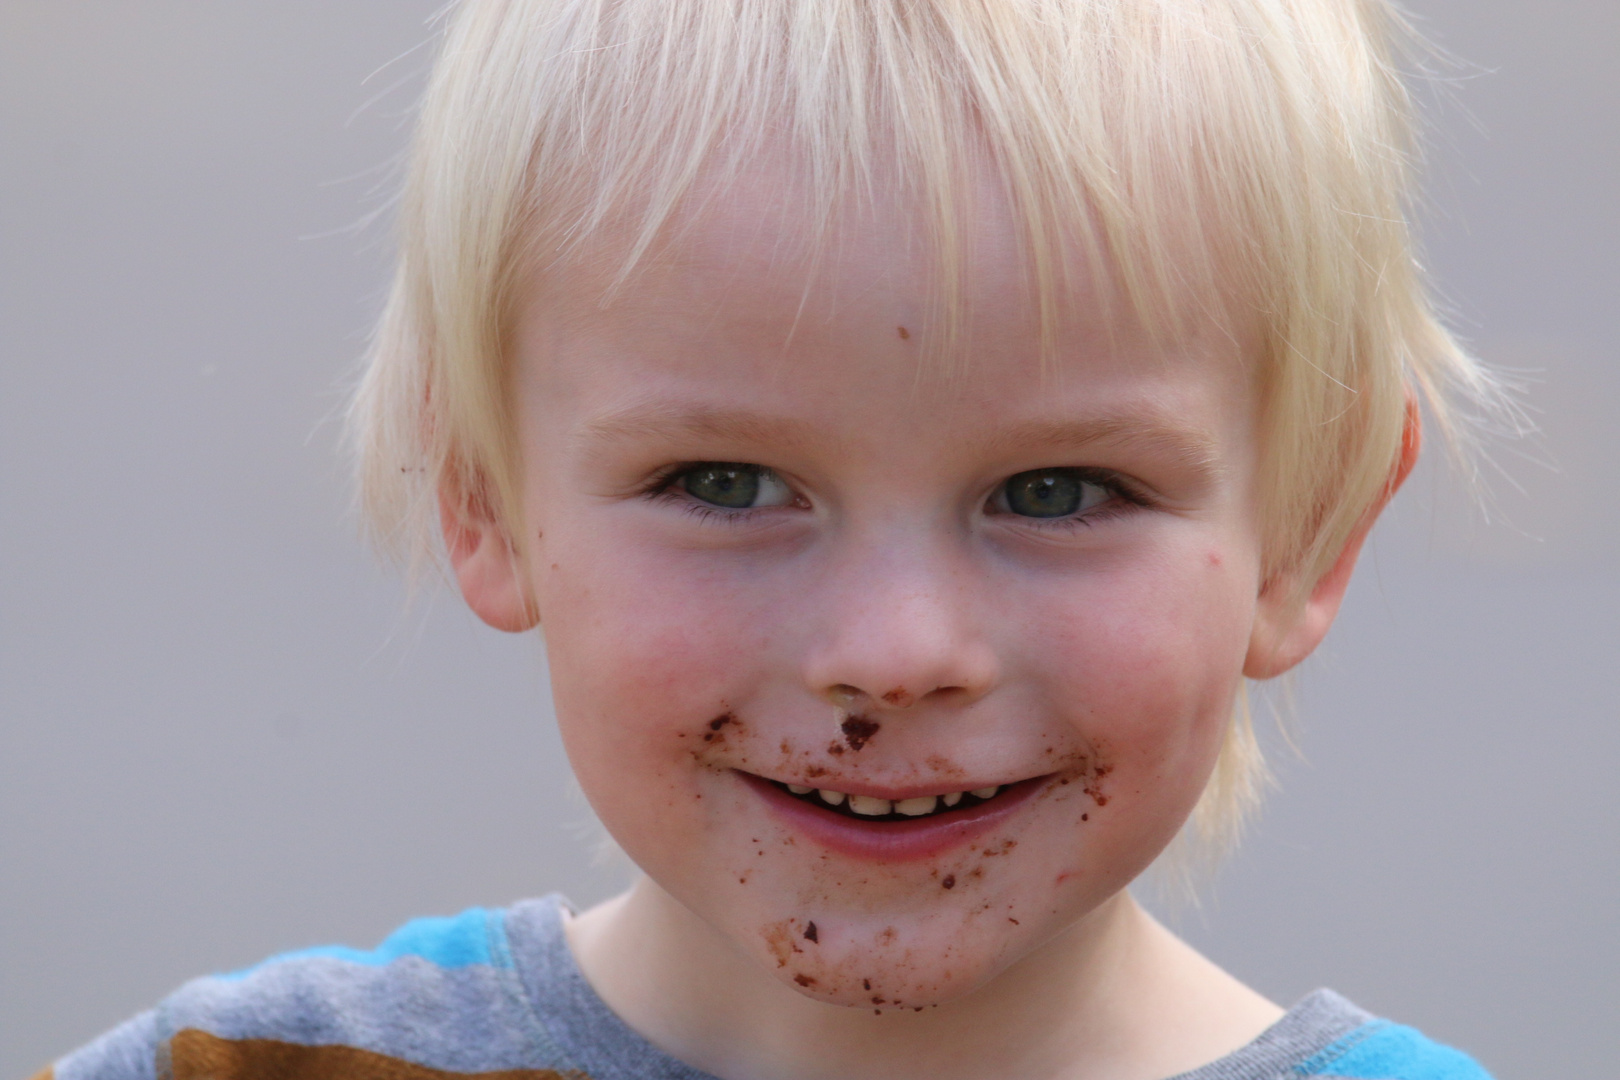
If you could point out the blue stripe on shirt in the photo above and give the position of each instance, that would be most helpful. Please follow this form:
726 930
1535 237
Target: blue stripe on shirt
455 942
1386 1051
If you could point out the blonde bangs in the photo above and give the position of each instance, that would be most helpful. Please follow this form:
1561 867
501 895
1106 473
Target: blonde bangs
1242 160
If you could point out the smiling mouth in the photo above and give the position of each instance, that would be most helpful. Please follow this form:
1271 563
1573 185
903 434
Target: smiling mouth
872 808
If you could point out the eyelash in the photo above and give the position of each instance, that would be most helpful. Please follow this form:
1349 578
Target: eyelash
1126 498
661 488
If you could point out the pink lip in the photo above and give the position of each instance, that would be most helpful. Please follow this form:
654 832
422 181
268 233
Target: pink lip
893 841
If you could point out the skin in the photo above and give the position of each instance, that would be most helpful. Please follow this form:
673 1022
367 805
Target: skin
1094 658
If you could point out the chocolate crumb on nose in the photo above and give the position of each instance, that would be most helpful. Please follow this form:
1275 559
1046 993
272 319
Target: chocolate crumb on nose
810 933
949 882
858 731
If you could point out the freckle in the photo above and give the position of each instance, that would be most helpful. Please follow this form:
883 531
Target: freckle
905 335
866 984
835 749
1085 817
1014 921
899 697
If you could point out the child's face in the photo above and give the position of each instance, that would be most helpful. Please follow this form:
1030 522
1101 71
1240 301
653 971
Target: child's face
771 547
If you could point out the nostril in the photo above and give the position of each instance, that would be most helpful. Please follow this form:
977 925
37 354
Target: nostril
844 695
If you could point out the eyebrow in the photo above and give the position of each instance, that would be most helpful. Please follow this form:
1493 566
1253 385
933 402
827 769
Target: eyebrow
1191 448
652 420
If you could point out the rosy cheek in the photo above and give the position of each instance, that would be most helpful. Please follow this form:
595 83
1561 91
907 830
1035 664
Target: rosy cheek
637 635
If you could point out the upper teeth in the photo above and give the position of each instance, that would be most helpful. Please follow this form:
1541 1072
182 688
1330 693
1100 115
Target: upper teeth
872 806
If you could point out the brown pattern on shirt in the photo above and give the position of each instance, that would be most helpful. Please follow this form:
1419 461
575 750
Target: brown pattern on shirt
197 1055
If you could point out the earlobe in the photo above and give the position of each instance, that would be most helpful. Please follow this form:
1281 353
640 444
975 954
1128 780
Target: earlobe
488 571
1286 630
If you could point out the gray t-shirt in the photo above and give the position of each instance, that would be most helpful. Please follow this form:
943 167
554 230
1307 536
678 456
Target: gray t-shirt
497 993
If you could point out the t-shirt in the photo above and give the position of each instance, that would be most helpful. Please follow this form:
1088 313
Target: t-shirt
497 994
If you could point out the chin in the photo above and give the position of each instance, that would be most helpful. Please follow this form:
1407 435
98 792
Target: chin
905 963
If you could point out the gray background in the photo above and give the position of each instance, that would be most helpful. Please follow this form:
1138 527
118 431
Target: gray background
220 737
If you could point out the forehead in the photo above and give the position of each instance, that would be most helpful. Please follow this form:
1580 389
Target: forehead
749 292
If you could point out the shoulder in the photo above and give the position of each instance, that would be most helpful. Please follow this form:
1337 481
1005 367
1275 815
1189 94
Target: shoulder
438 994
1382 1050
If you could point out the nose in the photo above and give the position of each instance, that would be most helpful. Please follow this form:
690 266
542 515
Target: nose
900 623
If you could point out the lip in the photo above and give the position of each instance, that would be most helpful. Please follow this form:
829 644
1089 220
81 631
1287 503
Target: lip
894 841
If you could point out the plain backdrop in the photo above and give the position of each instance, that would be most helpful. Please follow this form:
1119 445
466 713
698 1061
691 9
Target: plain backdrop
222 735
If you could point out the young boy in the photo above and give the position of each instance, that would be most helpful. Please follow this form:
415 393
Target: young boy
910 421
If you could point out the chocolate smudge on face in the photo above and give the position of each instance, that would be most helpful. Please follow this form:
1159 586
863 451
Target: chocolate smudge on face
858 731
804 980
1094 786
899 697
949 882
779 939
810 933
717 726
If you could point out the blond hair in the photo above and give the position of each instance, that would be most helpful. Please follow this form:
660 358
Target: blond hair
1281 127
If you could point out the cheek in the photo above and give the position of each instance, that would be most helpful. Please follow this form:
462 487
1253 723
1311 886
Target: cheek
645 654
626 627
1145 662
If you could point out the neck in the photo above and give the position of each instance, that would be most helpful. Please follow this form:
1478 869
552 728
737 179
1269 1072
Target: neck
1114 997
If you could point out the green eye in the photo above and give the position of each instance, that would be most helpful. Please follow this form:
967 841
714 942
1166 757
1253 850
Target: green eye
734 486
1052 493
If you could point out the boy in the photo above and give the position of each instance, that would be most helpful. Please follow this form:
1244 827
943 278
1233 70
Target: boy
910 423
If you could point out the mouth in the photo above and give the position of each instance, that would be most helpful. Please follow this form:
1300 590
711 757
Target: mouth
897 826
873 808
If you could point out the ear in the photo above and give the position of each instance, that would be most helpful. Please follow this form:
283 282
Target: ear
487 569
1286 632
